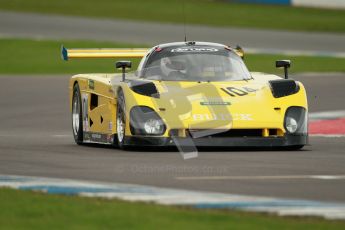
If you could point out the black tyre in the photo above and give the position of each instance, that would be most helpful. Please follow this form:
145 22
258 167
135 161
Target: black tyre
77 119
120 119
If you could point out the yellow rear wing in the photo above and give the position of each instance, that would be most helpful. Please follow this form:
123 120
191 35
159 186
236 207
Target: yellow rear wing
67 54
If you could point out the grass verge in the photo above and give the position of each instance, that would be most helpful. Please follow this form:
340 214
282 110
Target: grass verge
30 210
43 57
207 12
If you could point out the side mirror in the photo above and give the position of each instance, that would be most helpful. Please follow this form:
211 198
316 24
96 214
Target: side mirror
123 65
286 64
239 51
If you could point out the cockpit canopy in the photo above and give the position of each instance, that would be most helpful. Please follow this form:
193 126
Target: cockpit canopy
194 63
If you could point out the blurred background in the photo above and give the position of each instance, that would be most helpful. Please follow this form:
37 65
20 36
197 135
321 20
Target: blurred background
35 134
311 33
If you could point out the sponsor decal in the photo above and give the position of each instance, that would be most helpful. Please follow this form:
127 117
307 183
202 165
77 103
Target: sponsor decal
222 117
215 103
91 84
86 136
90 137
109 138
85 105
96 136
193 49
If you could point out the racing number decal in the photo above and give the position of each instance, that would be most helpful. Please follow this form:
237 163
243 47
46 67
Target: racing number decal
233 91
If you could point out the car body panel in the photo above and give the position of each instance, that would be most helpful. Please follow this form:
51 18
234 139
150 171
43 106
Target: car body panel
184 99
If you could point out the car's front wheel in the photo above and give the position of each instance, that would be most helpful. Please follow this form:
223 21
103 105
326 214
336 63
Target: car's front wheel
120 119
77 123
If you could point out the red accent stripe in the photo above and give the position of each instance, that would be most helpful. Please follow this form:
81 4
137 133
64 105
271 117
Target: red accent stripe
336 126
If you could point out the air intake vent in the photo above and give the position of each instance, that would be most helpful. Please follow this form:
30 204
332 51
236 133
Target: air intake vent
235 133
282 88
144 88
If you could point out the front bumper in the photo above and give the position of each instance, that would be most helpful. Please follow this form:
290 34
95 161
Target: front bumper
252 142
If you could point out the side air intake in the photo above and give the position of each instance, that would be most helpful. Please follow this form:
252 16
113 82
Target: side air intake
284 87
144 88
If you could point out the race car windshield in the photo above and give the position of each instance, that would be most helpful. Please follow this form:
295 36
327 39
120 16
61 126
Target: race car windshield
195 64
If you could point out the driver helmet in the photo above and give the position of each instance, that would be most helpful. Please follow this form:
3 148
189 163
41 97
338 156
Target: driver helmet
169 65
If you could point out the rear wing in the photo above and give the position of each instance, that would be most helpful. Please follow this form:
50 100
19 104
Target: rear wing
67 54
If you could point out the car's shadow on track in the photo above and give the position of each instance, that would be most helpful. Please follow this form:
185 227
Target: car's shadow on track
148 149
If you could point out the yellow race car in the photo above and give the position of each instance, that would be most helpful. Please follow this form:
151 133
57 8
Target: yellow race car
186 93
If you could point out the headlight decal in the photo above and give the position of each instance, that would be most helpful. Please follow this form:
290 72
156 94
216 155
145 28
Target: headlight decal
296 120
145 121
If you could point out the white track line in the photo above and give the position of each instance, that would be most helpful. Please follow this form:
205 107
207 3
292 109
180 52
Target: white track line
327 115
279 177
295 52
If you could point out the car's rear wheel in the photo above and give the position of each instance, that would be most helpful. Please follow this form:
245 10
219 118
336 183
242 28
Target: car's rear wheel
77 121
121 119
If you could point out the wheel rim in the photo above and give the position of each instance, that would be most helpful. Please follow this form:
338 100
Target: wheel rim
120 126
75 115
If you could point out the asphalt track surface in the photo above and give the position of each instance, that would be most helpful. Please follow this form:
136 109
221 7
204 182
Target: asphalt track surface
38 26
36 140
